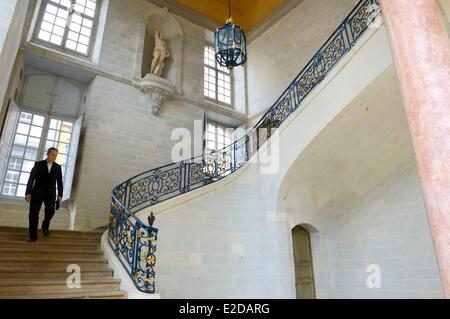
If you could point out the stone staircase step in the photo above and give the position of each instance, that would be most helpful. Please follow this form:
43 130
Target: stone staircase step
33 254
11 287
52 267
52 238
49 245
39 252
18 274
39 270
11 251
56 232
49 261
78 294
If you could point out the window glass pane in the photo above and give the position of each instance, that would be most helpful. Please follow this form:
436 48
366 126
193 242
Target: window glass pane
76 18
21 190
82 48
47 26
38 120
44 35
27 166
31 154
24 178
89 12
55 124
62 13
34 142
63 148
36 131
58 31
91 4
86 32
71 45
64 137
66 3
15 163
20 139
211 145
51 9
55 39
61 159
17 151
23 128
75 28
25 117
52 135
83 40
12 176
9 189
50 18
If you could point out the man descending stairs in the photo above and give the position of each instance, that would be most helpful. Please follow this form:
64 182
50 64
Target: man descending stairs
39 270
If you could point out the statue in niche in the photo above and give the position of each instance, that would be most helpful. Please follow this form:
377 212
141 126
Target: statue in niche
160 53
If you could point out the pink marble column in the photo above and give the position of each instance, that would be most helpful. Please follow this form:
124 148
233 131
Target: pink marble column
421 51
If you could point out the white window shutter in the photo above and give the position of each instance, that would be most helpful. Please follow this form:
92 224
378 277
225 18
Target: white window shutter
71 159
8 135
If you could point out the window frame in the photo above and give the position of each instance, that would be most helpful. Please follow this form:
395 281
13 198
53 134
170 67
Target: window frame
48 116
62 48
216 73
208 150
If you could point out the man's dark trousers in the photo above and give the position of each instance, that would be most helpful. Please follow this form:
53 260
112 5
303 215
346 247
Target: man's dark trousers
42 188
35 207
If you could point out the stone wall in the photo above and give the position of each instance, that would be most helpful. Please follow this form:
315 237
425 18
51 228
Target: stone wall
281 52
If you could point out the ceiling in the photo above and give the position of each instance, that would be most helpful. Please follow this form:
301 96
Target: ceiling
246 13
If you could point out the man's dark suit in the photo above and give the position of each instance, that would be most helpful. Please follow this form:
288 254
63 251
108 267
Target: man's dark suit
42 188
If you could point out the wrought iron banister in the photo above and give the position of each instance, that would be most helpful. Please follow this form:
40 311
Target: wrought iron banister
133 241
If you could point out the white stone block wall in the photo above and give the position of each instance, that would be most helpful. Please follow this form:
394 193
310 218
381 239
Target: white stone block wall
12 19
6 14
386 226
281 52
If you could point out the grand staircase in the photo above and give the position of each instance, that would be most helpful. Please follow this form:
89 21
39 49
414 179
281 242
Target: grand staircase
133 240
39 270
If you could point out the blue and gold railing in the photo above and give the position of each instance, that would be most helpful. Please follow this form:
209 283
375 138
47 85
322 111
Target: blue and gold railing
133 241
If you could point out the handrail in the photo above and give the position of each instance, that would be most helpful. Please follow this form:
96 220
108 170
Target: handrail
135 242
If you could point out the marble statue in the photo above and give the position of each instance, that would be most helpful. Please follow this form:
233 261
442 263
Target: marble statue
160 53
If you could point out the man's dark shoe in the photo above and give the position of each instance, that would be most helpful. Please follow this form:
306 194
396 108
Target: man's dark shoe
31 240
46 232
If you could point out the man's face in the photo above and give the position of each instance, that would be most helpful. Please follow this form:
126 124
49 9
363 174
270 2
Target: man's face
52 156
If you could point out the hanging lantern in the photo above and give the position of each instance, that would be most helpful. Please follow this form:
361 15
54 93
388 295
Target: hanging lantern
230 44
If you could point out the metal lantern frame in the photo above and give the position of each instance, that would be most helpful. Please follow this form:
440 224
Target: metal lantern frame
230 44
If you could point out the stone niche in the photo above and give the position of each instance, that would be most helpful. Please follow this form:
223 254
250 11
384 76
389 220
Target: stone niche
158 88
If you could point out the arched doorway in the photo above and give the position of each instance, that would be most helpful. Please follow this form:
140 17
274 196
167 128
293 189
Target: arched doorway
304 275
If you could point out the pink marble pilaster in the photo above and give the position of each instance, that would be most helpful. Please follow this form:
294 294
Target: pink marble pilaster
421 51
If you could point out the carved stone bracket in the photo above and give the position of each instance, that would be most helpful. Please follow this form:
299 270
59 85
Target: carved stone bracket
158 90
